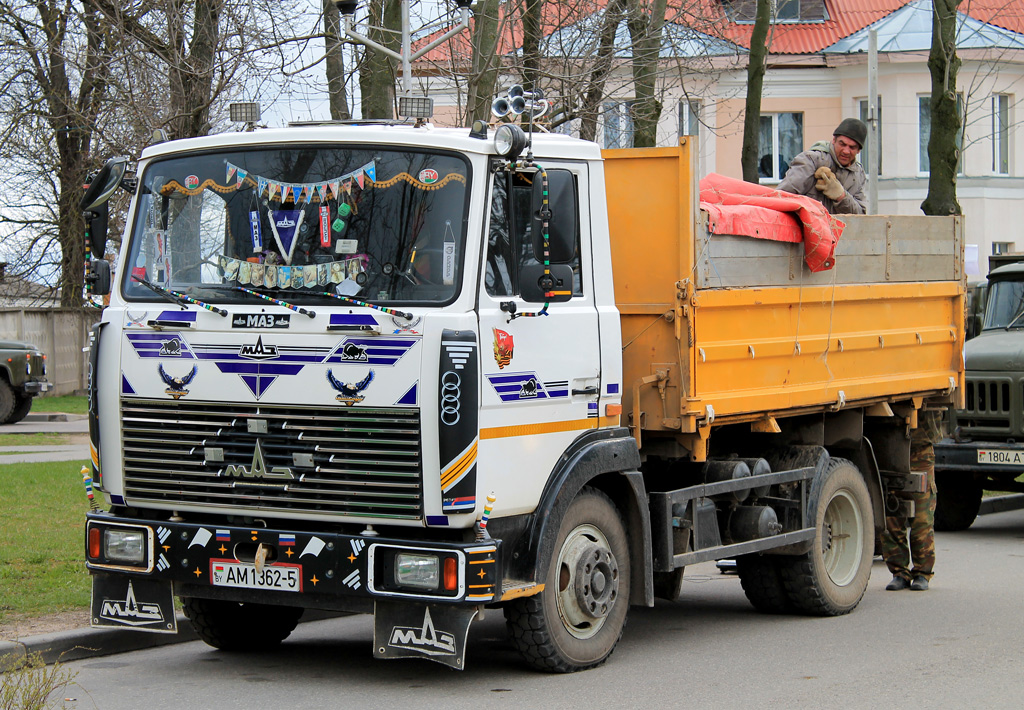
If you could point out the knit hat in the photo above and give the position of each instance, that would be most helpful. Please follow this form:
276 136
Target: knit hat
854 129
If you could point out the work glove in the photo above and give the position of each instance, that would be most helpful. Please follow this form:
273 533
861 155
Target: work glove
828 184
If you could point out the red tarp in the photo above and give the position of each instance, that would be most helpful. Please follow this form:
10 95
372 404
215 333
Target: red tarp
746 209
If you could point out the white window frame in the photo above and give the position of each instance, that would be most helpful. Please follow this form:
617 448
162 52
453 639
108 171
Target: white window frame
618 130
688 113
777 172
1002 248
1001 134
862 111
922 150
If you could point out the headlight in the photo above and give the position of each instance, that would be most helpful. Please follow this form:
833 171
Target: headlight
420 571
509 141
125 546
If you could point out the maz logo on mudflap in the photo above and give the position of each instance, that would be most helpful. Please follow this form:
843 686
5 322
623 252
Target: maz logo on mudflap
258 469
130 612
424 639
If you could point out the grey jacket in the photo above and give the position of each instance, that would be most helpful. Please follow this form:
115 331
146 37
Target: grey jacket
800 179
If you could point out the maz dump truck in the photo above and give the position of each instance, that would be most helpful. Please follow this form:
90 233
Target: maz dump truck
420 373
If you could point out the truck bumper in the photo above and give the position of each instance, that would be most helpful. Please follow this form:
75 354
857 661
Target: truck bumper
318 570
991 457
34 387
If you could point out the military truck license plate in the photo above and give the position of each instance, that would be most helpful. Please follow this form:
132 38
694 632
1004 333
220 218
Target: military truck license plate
1000 456
282 578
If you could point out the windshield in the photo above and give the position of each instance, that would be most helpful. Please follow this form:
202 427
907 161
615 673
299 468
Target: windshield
1005 305
374 224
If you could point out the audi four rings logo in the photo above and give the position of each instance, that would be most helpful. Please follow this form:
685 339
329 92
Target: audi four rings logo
450 393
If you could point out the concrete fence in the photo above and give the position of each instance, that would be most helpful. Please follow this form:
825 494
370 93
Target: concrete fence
61 333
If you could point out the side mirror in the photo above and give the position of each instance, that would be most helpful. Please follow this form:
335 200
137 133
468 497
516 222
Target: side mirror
554 287
94 201
97 278
562 221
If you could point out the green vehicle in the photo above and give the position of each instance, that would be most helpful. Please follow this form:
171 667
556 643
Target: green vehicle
985 449
22 377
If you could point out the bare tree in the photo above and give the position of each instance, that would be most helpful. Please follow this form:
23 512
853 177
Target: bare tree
943 154
377 71
645 21
755 80
334 62
485 60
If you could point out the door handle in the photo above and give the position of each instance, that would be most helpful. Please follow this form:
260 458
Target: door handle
586 391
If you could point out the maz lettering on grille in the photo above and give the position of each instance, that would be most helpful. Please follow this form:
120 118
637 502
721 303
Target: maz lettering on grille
258 468
450 392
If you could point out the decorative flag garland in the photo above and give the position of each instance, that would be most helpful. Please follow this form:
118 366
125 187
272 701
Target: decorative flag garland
303 191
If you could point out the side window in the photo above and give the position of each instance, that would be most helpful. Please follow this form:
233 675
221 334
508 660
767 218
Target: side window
510 241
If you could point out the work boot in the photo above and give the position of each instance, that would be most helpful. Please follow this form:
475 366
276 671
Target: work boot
899 583
919 584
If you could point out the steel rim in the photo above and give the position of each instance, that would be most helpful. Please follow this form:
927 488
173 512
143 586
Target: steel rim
588 579
842 545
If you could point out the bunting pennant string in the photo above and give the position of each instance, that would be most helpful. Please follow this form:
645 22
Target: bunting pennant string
303 192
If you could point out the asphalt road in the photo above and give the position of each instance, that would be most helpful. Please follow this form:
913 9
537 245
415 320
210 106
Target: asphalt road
955 646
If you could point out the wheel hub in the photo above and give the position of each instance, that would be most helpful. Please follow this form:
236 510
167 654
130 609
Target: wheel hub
596 580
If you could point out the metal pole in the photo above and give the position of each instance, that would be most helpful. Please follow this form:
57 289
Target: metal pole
406 51
875 153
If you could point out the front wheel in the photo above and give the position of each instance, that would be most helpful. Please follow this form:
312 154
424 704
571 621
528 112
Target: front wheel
957 502
234 626
575 623
830 580
22 406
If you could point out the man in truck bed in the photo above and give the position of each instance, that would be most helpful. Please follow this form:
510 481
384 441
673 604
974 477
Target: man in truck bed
829 171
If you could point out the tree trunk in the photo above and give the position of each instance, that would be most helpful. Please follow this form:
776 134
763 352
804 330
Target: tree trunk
378 72
590 109
191 77
334 63
645 33
755 81
943 155
532 35
486 61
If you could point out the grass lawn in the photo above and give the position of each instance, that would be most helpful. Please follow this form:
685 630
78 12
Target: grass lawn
38 439
68 404
42 567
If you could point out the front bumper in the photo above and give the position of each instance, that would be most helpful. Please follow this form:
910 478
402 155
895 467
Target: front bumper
967 457
34 387
325 570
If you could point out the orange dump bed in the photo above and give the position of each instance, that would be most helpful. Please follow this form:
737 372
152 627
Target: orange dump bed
721 329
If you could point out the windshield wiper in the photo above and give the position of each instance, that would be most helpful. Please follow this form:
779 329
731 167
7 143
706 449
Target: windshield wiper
1020 314
179 298
277 301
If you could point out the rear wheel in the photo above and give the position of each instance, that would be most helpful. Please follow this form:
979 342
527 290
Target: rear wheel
830 580
234 626
22 406
575 623
7 401
957 502
761 580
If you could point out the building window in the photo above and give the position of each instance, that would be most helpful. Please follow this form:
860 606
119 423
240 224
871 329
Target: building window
744 11
1001 248
782 137
924 111
618 124
1001 134
689 117
865 153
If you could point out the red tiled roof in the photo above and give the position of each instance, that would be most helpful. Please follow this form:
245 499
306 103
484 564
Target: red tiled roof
845 18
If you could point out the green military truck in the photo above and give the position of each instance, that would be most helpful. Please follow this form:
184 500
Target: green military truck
22 377
985 446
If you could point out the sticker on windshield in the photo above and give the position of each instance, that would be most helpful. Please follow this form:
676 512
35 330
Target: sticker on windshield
192 182
428 176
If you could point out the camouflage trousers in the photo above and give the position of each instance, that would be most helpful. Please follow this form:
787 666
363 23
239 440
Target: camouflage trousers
899 549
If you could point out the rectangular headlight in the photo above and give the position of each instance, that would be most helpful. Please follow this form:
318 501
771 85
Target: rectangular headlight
419 571
125 546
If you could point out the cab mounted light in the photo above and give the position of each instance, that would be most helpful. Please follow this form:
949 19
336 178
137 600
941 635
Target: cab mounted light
509 141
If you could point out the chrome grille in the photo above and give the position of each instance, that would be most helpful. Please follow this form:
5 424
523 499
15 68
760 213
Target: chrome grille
353 462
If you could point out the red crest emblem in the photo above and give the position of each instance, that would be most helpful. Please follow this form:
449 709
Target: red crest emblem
503 347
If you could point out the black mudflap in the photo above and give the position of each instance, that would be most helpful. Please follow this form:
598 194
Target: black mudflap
436 632
133 602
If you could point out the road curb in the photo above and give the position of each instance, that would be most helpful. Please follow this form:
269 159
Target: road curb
90 643
77 644
52 417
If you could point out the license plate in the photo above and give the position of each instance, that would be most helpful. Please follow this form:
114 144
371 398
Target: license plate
281 578
1001 456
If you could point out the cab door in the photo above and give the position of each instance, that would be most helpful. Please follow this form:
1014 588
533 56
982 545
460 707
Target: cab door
541 376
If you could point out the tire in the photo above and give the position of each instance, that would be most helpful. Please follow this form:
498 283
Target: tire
234 626
830 580
22 406
761 580
7 401
957 502
575 623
